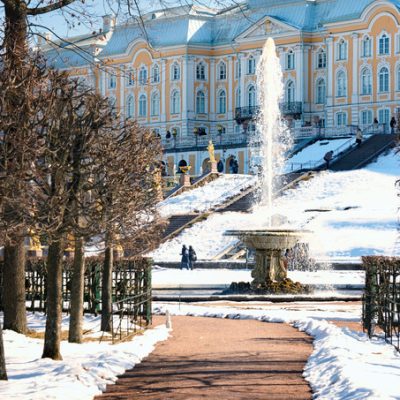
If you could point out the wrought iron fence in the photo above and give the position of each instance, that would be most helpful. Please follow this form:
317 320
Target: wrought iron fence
381 300
131 280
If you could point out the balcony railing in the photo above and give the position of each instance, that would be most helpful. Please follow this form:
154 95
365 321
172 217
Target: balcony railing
291 107
246 113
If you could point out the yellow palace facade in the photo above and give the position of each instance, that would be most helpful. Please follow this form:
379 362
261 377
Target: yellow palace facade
189 73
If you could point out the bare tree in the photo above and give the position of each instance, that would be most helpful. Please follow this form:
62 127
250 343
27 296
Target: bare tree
3 372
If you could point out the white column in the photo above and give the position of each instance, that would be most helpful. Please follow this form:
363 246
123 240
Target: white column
121 73
299 65
354 95
305 78
329 78
163 89
230 78
211 93
184 78
190 87
242 61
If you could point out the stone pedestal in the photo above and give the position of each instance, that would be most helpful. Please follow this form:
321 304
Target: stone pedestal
214 168
184 180
270 266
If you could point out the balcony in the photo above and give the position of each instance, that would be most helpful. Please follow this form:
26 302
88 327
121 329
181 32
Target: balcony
291 108
245 113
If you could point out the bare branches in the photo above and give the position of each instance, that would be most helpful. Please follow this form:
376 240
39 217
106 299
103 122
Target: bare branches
51 6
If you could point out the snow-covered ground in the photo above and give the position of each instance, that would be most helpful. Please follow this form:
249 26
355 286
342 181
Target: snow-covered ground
164 277
351 213
206 197
312 155
345 364
86 368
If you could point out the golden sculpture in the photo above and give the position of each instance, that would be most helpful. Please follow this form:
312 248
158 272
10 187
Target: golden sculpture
34 242
210 149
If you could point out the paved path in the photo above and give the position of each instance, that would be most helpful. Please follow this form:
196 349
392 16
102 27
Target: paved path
217 359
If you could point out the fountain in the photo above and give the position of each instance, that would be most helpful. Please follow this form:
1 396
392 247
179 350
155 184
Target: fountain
270 244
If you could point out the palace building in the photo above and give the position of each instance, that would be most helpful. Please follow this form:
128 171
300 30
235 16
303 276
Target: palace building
189 73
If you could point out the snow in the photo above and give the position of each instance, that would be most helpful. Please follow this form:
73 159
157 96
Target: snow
344 365
313 154
206 197
85 370
351 213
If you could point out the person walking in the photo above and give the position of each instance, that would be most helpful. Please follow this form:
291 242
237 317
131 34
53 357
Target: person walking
359 137
192 257
392 125
328 158
185 258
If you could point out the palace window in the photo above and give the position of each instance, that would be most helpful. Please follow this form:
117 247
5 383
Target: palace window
289 92
130 78
155 74
341 84
384 45
221 102
175 102
176 72
398 77
342 50
341 119
251 96
142 105
366 81
290 60
384 116
321 91
366 117
112 81
200 102
143 76
130 107
251 66
221 71
321 59
366 47
155 104
383 80
201 71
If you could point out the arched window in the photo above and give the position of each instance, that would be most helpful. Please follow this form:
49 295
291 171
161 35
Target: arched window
290 60
142 105
398 77
176 72
143 75
222 102
321 59
201 71
289 92
251 65
130 78
341 119
321 91
366 47
384 45
155 74
383 80
175 102
200 102
366 81
341 84
251 96
237 97
342 50
155 104
130 107
112 81
222 71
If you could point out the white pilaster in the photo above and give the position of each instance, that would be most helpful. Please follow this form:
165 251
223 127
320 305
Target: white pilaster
212 93
163 89
354 96
230 78
120 71
329 77
299 65
242 61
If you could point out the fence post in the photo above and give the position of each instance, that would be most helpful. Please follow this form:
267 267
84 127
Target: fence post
148 262
370 300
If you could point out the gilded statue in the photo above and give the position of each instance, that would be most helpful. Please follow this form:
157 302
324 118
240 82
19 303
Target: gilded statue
211 154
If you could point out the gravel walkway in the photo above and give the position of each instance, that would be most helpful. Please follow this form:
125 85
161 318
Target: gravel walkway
217 359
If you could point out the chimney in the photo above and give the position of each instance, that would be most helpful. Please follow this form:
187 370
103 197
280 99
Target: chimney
108 23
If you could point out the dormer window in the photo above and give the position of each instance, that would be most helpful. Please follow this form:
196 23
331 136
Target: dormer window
201 71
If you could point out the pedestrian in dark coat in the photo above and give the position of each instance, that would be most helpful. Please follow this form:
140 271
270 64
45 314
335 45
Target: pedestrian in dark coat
328 158
185 258
392 125
192 257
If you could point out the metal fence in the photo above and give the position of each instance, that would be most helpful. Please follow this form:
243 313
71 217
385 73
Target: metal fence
131 286
381 300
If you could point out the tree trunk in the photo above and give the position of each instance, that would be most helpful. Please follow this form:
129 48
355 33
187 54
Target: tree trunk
52 335
77 288
106 289
14 286
3 372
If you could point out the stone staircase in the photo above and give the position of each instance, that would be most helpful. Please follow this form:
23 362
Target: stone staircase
358 157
